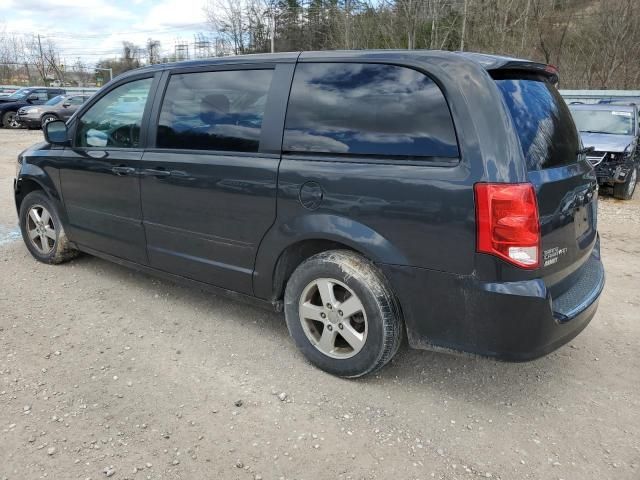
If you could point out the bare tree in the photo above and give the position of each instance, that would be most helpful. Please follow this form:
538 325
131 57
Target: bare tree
228 19
593 42
153 51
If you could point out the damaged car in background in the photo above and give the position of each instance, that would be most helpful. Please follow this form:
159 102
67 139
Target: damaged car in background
610 136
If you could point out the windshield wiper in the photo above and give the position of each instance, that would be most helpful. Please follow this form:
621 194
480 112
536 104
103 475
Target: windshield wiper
586 150
596 131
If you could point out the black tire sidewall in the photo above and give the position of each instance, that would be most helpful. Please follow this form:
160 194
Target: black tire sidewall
39 198
620 189
5 117
367 358
47 115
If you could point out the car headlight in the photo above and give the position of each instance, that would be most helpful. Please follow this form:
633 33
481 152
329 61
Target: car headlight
28 110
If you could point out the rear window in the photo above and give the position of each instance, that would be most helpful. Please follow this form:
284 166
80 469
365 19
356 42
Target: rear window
543 122
368 109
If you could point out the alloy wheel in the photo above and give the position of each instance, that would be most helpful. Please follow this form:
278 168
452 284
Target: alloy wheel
47 119
333 318
41 229
13 120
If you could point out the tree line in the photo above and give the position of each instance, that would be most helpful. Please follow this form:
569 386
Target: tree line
37 60
594 43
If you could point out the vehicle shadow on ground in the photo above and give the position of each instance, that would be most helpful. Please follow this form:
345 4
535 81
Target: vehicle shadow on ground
452 375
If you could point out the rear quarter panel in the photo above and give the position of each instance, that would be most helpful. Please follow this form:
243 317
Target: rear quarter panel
403 214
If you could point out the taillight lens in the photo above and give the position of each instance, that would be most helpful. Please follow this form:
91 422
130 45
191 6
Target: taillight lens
508 223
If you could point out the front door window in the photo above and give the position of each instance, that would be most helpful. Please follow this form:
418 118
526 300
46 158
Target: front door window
115 120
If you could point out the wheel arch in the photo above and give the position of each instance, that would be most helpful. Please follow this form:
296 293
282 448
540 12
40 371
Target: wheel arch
286 246
24 187
32 178
293 255
49 113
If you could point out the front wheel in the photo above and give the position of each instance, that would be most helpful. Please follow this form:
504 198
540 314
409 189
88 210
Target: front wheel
42 230
342 314
624 191
10 120
47 118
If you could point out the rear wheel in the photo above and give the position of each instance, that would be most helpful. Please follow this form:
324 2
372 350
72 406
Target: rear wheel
10 120
42 230
46 118
342 314
624 191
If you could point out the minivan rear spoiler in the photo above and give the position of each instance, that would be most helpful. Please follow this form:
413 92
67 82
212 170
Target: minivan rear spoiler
496 64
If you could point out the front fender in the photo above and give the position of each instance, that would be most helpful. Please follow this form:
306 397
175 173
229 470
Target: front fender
333 228
33 177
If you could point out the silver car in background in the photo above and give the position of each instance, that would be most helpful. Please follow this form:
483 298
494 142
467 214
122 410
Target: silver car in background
610 135
58 108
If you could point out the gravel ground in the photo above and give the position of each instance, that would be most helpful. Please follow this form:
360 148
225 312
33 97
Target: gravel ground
105 372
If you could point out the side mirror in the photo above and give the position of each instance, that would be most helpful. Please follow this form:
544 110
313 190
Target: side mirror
66 104
32 98
56 133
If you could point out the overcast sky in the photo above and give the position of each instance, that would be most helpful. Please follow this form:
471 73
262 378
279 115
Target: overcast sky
95 29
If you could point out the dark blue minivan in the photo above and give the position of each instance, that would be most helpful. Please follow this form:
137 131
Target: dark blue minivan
365 193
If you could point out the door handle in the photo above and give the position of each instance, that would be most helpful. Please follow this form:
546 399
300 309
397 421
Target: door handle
98 154
154 172
121 171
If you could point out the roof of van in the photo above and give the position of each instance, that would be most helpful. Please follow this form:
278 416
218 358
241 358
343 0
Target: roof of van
489 62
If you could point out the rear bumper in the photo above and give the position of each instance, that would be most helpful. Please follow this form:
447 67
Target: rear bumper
514 321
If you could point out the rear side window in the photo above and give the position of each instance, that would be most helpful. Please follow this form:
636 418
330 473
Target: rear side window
367 109
76 100
40 95
543 122
220 110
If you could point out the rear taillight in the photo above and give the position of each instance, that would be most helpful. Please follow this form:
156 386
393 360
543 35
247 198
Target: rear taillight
507 222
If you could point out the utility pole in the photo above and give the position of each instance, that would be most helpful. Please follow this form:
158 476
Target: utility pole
273 31
42 66
525 28
40 48
464 25
346 25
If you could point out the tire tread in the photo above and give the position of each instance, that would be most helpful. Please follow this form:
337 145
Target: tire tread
64 251
367 273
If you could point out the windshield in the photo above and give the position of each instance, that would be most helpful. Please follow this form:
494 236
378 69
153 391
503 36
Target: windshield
18 94
604 121
55 100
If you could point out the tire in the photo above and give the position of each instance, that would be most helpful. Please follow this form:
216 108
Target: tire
371 319
36 205
46 118
624 191
9 120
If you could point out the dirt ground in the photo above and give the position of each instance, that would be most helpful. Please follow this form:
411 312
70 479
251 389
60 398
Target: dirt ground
105 372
